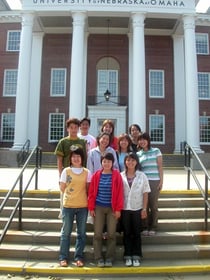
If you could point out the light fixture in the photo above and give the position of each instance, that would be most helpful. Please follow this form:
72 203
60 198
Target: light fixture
107 93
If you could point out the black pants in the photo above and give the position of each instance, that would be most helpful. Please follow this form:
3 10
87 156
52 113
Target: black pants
131 221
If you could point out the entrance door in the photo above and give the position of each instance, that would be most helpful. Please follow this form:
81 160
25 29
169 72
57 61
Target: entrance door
98 114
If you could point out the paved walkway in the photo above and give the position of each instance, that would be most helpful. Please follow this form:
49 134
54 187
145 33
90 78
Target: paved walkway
174 179
155 277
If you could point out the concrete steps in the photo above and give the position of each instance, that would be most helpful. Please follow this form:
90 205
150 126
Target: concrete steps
169 160
180 238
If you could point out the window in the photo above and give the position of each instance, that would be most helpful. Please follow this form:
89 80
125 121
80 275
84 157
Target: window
58 82
107 79
203 85
56 126
157 128
13 40
202 43
156 84
204 129
10 83
8 127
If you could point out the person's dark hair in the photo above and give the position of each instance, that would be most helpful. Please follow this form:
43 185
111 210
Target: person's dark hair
85 119
135 157
108 156
120 138
145 136
76 150
72 120
101 135
136 126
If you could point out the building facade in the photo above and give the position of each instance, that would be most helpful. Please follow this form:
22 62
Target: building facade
58 58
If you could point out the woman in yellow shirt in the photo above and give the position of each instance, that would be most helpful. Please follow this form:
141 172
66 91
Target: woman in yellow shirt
74 182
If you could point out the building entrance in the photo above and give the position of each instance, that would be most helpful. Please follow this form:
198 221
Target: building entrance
98 114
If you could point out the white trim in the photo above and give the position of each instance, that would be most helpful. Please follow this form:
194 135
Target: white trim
204 98
49 127
113 112
163 83
8 32
163 129
207 41
4 83
51 81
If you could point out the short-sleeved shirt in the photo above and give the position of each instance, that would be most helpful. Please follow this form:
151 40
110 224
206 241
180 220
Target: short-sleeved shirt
90 141
63 148
148 161
75 194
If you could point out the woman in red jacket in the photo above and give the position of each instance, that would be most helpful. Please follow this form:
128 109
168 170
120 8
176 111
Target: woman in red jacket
105 202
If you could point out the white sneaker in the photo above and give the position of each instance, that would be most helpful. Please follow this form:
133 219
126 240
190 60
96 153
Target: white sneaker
145 232
152 232
136 263
128 262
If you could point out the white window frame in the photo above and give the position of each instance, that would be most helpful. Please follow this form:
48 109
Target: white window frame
153 85
50 139
11 119
10 86
204 42
202 121
107 85
151 127
61 83
15 43
200 95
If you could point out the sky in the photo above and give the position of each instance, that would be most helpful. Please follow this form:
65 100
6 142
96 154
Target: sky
201 7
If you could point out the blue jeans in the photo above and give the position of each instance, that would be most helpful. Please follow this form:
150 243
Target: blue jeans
68 215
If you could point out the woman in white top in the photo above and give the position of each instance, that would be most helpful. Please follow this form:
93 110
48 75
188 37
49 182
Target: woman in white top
136 189
103 147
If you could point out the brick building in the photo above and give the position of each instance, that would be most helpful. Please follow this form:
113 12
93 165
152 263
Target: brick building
58 58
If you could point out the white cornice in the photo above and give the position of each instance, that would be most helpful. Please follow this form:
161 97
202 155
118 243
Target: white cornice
10 17
203 20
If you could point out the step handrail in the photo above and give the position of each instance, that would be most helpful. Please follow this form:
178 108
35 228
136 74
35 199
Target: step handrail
24 152
189 152
38 153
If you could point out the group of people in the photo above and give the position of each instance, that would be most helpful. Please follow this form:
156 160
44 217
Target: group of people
113 180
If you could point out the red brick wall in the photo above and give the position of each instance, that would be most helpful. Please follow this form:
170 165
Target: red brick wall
97 49
204 66
159 56
8 60
56 54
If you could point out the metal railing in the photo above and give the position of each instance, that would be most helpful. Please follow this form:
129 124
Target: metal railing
22 190
191 155
23 154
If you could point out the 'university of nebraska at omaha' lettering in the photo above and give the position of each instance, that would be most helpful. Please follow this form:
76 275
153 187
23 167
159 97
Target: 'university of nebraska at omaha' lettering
160 3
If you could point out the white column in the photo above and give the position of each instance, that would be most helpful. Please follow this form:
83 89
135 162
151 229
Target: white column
179 90
23 81
35 83
76 106
138 105
85 75
191 83
130 78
